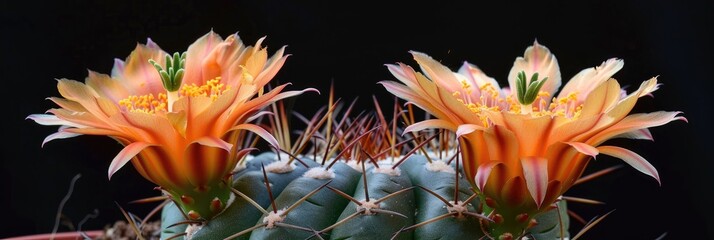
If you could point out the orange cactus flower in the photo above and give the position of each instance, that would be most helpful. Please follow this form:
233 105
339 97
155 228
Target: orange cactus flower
176 115
522 147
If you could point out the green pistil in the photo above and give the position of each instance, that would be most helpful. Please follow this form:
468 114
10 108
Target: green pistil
527 93
172 74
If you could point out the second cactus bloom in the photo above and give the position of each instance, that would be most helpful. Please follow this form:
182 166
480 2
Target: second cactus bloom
177 116
525 146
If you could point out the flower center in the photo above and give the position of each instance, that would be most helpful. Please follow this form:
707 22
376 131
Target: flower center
527 99
151 104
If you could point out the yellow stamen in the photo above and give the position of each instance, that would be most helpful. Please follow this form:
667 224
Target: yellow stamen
146 103
162 103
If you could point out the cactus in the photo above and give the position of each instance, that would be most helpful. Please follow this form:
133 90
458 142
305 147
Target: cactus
484 175
361 189
404 212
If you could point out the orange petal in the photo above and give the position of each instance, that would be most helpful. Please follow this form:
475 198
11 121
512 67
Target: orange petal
496 179
631 158
584 148
554 191
206 158
260 132
193 106
241 110
78 119
107 87
602 98
179 121
437 72
125 155
211 115
139 76
475 152
428 124
514 192
221 58
68 104
153 128
535 172
256 62
537 58
51 120
59 135
96 131
624 106
503 146
571 129
532 132
478 78
84 95
588 79
643 134
464 129
195 56
403 92
271 69
635 122
484 173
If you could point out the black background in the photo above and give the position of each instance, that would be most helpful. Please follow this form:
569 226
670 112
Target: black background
348 43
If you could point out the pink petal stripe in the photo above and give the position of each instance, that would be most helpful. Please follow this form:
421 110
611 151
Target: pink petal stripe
535 172
584 148
631 158
464 129
260 131
483 172
430 123
125 155
49 120
293 93
59 135
258 115
214 142
643 134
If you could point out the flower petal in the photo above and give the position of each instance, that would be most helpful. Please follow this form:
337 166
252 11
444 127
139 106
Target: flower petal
59 135
588 79
584 148
428 124
195 56
483 173
532 132
535 172
139 76
125 155
602 98
643 134
464 129
50 120
477 77
259 131
258 115
107 87
514 192
634 122
537 59
441 75
179 121
214 142
631 158
205 159
503 146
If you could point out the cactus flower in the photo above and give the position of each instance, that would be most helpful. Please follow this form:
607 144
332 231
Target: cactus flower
177 115
524 146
